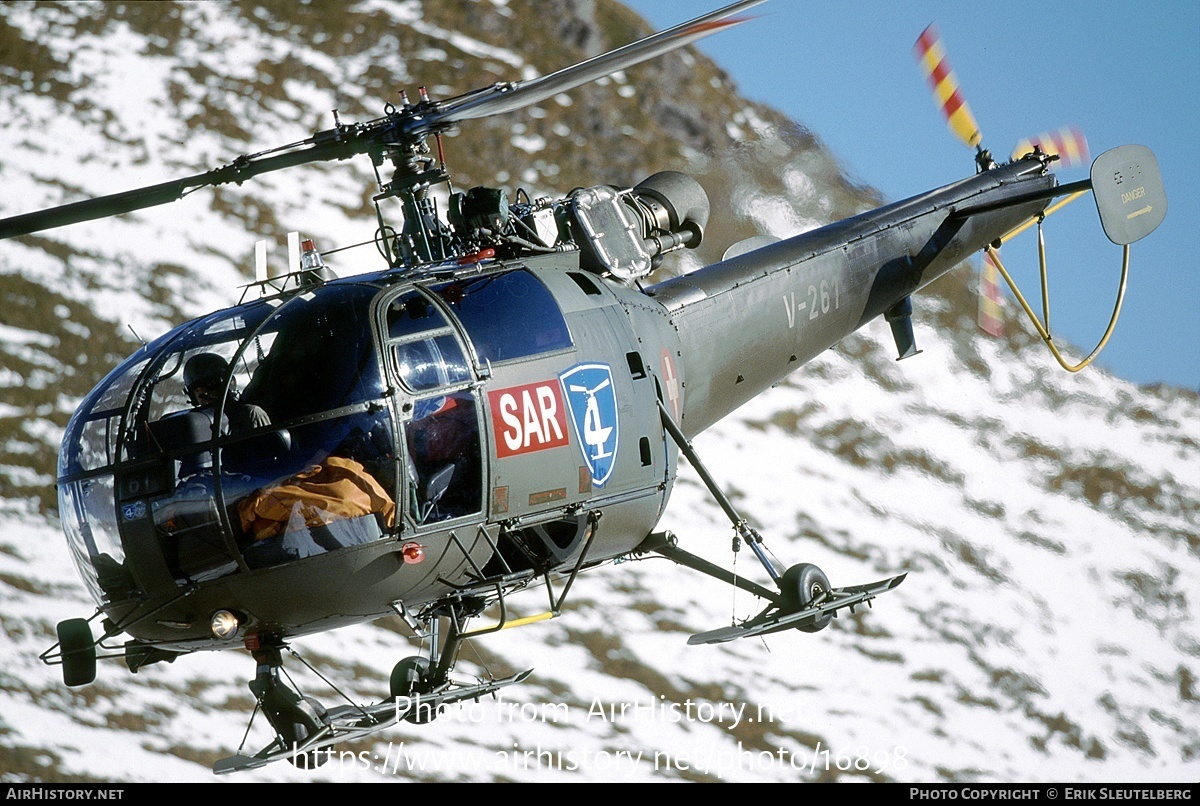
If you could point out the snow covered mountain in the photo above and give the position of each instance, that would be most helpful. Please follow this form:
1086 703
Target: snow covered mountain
1049 524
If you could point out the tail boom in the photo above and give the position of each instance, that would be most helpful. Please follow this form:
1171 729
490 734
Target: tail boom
747 322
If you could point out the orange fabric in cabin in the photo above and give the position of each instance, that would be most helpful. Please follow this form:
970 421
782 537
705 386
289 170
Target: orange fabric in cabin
339 488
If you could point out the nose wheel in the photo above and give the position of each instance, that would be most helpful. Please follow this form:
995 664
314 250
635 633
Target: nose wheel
301 721
295 719
411 678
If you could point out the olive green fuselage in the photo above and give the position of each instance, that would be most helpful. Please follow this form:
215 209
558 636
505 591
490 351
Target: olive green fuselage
568 451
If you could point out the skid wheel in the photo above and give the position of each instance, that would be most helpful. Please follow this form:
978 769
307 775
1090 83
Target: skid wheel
800 585
301 724
410 678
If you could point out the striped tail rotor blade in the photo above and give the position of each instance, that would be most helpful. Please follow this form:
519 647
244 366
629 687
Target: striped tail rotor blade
931 55
1068 143
991 320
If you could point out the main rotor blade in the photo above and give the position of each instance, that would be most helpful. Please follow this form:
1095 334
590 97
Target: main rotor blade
511 96
408 125
100 207
334 144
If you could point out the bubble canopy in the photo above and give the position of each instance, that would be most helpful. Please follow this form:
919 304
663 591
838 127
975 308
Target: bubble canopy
292 427
247 438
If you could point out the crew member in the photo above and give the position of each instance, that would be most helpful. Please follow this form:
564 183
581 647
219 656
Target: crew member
204 377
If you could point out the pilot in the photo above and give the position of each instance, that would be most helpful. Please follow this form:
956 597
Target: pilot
204 377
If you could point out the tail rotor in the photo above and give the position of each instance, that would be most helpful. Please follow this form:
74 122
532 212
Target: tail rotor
931 55
1067 143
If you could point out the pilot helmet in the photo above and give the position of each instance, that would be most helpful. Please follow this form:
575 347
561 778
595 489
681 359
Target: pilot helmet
204 371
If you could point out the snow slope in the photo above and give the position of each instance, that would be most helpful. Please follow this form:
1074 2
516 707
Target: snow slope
1049 524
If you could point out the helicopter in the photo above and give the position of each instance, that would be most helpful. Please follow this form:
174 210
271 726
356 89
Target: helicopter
504 404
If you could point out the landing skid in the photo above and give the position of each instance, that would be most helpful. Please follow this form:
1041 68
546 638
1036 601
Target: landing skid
348 722
774 619
419 687
804 600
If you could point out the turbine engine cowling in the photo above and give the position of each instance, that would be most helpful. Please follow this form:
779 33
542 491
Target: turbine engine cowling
625 233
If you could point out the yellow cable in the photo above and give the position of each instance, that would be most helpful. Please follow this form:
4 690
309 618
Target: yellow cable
521 622
1045 277
508 625
1043 331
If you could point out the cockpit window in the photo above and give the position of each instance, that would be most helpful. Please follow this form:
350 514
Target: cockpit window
333 487
175 403
316 354
442 414
444 458
254 436
428 355
489 306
